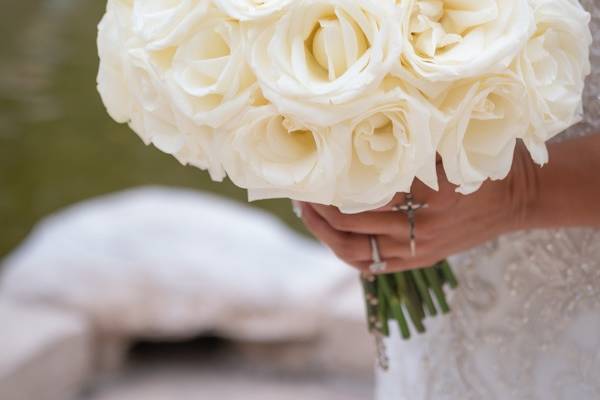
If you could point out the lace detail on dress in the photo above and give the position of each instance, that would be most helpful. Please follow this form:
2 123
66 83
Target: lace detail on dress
591 95
524 325
525 321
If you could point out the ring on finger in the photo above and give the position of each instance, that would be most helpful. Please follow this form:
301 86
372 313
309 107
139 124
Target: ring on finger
378 265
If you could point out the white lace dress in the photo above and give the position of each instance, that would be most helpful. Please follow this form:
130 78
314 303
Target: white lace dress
526 319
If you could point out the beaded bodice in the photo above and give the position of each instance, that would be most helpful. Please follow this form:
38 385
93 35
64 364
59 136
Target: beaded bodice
525 322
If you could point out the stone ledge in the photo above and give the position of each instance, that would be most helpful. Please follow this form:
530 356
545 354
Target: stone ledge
45 354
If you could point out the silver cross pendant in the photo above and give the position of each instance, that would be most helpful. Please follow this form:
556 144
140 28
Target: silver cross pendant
410 207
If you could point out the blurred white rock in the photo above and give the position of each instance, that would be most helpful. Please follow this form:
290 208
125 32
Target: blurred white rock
45 353
158 262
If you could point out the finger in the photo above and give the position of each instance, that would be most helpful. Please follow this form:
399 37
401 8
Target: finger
349 247
297 208
390 248
369 223
428 252
400 264
435 202
352 247
421 194
397 200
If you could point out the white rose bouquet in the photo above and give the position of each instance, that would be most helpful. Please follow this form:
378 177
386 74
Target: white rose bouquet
347 102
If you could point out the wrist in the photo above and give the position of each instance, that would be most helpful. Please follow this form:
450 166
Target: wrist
524 192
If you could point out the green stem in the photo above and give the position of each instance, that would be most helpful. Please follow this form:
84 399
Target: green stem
382 307
435 284
395 307
413 304
423 290
448 274
370 292
413 293
392 296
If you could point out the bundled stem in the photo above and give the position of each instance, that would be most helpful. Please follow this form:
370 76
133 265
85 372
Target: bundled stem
393 297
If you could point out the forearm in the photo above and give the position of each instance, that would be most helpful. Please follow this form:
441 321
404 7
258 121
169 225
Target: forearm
566 191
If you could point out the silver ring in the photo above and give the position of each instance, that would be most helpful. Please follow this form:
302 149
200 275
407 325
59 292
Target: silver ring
409 208
378 265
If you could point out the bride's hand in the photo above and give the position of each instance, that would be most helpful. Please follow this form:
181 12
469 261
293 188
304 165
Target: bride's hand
452 222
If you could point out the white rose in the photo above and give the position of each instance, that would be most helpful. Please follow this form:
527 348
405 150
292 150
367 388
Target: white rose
132 87
152 116
273 156
393 141
323 54
157 122
210 81
249 10
553 66
199 149
453 39
487 117
165 23
111 82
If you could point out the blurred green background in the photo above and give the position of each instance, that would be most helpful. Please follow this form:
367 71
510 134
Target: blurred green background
57 143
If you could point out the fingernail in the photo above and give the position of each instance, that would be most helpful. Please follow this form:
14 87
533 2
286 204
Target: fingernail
297 207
